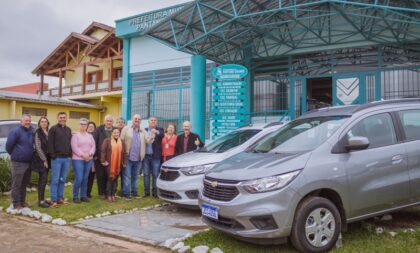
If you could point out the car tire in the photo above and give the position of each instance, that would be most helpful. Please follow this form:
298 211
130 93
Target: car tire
316 226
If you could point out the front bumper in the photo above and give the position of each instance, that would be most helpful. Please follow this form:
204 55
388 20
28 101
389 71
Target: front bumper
237 217
182 188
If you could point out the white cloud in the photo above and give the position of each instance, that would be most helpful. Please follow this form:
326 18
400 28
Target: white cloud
31 29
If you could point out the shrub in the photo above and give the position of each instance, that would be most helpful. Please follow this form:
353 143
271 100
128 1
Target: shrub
5 175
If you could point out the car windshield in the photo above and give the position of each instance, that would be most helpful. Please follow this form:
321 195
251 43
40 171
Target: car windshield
228 141
300 135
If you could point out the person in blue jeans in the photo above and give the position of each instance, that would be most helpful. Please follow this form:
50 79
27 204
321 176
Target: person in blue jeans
152 160
135 140
83 147
59 149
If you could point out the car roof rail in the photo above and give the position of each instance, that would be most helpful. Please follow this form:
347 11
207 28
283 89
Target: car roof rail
387 102
275 123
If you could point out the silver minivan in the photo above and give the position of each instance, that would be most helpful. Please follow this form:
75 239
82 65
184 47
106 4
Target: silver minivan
181 178
318 173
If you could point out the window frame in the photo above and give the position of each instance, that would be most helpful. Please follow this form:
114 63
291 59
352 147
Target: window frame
398 118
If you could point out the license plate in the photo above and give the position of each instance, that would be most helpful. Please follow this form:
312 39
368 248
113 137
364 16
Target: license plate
209 211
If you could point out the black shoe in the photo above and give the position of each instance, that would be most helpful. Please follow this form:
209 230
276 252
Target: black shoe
89 196
43 204
146 195
155 195
84 199
77 201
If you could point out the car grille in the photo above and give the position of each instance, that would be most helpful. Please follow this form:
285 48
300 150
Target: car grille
224 222
168 175
220 192
168 194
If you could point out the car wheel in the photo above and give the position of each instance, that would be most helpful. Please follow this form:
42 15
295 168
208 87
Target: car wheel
316 226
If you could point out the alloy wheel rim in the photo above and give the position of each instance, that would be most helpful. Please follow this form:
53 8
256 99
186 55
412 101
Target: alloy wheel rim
320 227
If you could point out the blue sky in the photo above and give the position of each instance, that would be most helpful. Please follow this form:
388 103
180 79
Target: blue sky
31 29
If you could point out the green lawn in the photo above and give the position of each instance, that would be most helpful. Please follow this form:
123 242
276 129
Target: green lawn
73 212
356 240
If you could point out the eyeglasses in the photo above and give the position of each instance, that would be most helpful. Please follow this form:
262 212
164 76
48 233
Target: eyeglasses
83 124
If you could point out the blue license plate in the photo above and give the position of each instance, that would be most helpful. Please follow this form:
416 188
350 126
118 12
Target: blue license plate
209 211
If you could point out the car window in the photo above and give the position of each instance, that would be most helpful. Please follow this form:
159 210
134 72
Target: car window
300 135
229 141
411 123
379 129
5 129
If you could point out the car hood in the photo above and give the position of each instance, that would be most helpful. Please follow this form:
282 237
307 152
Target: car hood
248 166
194 159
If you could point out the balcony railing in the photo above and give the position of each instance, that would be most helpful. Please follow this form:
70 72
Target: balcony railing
77 89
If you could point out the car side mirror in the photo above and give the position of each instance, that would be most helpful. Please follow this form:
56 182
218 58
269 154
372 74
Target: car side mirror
357 143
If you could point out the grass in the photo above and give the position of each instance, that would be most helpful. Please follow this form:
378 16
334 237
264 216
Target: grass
357 239
73 212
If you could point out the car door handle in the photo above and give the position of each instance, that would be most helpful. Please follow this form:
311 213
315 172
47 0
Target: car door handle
397 159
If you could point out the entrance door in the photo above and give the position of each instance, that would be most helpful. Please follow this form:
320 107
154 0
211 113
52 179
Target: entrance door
349 89
319 92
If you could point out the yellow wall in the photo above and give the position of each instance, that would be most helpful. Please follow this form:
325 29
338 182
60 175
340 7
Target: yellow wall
52 110
76 77
13 110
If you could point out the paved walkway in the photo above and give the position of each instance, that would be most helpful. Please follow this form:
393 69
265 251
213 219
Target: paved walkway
21 234
153 226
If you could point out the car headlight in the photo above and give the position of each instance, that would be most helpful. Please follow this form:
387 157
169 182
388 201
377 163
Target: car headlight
267 184
196 170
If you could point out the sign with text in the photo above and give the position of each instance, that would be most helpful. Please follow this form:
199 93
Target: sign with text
229 93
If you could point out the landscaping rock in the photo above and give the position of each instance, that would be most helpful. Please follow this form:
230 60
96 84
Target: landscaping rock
59 222
28 189
379 230
1 209
35 214
26 211
46 218
216 250
392 233
98 215
34 189
170 243
387 217
187 236
184 249
11 210
177 246
200 249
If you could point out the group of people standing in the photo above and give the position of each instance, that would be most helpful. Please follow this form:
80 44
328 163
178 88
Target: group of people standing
108 152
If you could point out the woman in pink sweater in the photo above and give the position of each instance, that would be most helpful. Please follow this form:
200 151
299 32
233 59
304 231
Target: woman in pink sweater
83 147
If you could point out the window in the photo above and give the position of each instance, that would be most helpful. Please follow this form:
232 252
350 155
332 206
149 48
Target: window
411 124
300 135
94 77
34 111
117 73
379 130
78 115
229 141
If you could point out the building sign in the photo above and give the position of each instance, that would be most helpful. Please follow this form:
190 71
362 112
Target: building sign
134 25
228 99
347 90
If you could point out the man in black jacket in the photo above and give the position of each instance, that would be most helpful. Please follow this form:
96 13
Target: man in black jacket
187 141
153 157
102 133
59 149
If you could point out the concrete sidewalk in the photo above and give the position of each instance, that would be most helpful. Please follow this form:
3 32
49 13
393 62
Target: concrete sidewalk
154 226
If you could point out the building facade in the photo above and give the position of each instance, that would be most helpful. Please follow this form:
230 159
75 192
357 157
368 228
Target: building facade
300 55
